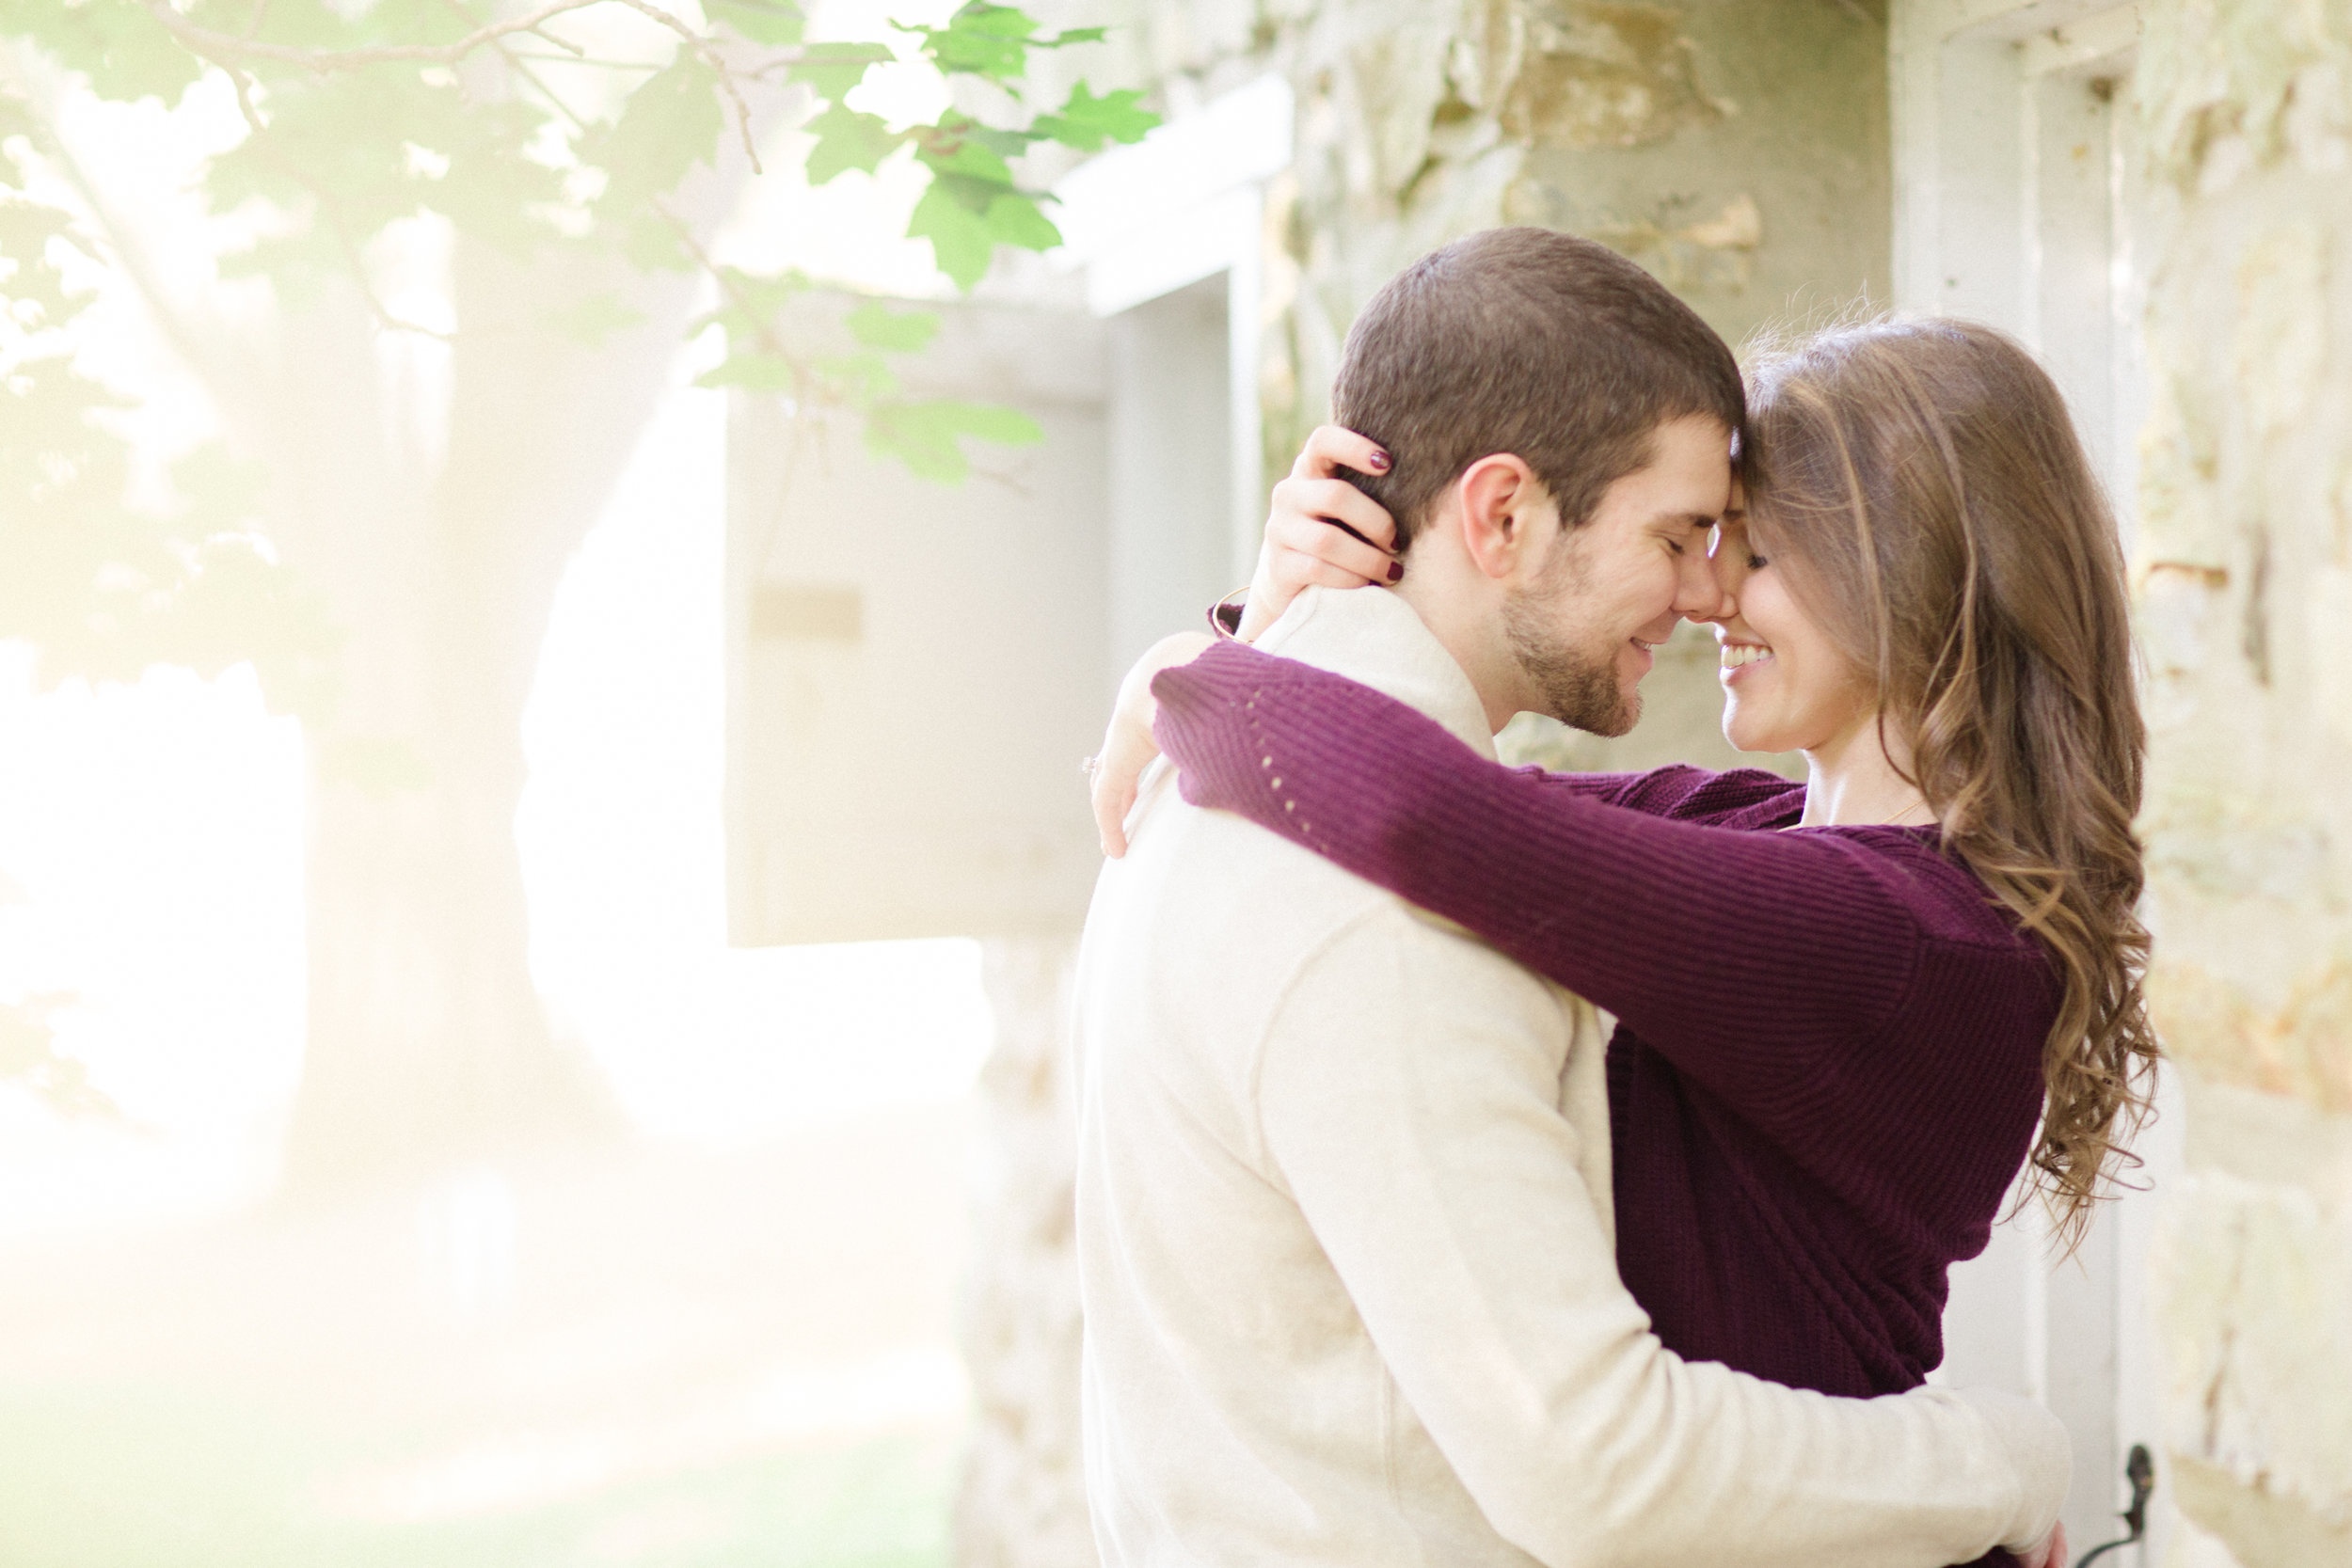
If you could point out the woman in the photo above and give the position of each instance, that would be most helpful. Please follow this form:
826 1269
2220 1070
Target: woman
1844 1004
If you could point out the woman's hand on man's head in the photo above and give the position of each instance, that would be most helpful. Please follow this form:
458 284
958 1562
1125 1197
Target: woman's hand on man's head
1302 547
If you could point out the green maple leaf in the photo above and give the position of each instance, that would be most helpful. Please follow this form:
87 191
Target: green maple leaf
1005 143
834 69
494 189
670 124
991 41
1086 122
965 219
650 245
877 327
126 54
752 301
847 139
333 23
26 230
219 492
754 370
17 119
770 22
857 379
1014 218
981 39
959 236
927 436
967 157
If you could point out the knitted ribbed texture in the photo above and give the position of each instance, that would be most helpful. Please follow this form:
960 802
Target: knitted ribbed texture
1827 1067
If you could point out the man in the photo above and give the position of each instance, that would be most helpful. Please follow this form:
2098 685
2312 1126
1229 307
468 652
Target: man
1344 1230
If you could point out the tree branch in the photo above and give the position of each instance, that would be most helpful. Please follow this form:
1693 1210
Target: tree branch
113 232
225 49
385 319
766 328
328 209
718 64
684 229
215 45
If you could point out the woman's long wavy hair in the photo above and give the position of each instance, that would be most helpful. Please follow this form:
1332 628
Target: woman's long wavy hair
1923 486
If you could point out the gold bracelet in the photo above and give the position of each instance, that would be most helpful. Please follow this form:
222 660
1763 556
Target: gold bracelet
1225 616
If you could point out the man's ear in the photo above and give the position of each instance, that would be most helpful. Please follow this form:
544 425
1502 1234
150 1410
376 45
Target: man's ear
1502 508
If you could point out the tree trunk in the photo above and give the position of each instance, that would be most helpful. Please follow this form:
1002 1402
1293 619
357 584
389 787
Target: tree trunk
428 1042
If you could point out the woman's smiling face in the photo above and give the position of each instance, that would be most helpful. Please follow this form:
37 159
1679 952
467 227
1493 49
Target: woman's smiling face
1787 685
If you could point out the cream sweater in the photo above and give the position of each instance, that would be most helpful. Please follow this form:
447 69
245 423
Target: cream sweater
1345 1242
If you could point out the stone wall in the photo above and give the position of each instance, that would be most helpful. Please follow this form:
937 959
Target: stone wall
1738 149
2245 575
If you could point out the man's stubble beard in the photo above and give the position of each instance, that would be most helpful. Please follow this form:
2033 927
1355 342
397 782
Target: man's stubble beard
1578 686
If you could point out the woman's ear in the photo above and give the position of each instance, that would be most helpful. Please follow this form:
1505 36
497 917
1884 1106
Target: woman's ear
1502 506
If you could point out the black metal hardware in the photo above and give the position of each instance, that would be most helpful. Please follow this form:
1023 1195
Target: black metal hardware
2139 1468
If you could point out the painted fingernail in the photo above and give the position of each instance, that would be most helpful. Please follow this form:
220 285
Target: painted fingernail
1379 461
1396 571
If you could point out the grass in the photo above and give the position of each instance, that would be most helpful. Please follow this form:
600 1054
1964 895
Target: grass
141 1480
705 1362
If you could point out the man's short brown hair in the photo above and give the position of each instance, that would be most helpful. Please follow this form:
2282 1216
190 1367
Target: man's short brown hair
1528 341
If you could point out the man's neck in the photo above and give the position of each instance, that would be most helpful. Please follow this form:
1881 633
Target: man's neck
1379 641
1470 635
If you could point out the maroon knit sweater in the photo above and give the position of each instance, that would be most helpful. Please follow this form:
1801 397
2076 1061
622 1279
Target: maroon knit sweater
1827 1066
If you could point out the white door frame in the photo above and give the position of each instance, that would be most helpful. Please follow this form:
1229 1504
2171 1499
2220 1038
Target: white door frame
1185 203
2015 205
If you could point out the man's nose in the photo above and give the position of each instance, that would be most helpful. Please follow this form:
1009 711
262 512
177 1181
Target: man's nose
1699 594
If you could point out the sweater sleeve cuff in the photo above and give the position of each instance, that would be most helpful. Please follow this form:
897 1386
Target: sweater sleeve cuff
1219 671
1201 725
2040 1455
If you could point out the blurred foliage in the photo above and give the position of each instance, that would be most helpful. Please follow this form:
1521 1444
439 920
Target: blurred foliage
361 115
29 1057
106 589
